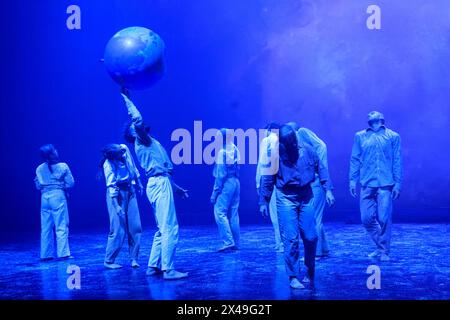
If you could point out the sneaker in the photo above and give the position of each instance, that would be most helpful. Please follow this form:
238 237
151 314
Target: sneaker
174 275
306 280
295 284
112 265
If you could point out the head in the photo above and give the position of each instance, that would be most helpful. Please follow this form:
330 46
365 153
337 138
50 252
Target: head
288 145
227 135
113 152
272 127
129 132
49 153
294 125
375 120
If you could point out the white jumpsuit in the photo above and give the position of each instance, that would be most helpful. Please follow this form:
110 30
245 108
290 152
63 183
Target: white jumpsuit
54 211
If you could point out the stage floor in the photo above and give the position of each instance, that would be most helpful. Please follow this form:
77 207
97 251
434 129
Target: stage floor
419 269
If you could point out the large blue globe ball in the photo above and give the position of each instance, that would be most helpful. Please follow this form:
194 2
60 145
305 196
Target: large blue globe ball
134 57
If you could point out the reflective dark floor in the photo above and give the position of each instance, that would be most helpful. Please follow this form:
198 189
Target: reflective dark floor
420 268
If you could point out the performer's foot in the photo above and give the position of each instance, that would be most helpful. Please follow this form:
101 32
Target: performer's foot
295 284
374 254
151 271
323 254
384 257
112 265
134 264
306 280
279 249
46 259
227 248
174 275
66 257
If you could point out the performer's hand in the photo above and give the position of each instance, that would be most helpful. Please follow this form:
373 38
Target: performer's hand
120 211
395 194
264 210
330 198
353 191
183 193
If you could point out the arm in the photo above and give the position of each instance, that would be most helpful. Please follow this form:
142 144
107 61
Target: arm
37 184
137 119
355 164
113 190
132 165
397 166
262 152
183 193
322 171
69 182
219 173
133 170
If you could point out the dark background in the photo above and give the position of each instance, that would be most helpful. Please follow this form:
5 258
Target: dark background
230 63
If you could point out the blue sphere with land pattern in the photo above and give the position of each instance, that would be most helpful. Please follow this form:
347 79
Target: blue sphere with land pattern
134 57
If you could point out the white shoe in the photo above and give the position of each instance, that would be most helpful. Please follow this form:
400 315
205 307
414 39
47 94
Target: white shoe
306 280
295 284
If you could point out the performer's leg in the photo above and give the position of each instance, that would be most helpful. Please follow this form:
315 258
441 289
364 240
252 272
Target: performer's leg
221 209
46 229
274 220
369 208
234 213
385 218
116 235
134 228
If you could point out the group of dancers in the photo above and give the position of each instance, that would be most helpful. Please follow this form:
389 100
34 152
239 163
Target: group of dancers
292 180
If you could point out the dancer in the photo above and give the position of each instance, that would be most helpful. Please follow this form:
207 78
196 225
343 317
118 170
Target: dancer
321 196
158 168
226 191
298 164
121 177
53 178
268 144
376 163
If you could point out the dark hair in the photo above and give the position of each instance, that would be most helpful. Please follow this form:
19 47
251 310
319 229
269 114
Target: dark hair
108 153
272 125
128 134
48 154
288 145
294 125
